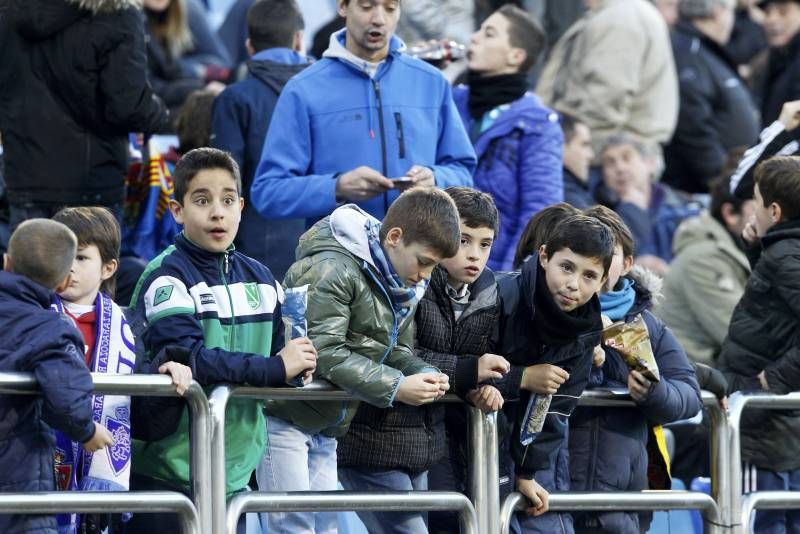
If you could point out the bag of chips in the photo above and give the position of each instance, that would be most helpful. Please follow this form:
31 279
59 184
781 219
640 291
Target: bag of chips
632 341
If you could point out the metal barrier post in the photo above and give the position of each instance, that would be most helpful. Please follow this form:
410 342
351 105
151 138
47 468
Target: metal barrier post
720 458
84 502
479 478
219 402
620 501
157 385
767 500
390 501
736 405
491 462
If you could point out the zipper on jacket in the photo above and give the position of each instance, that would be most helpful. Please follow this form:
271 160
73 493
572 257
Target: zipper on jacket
224 267
398 121
377 86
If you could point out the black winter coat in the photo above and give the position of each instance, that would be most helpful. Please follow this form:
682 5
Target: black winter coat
413 438
764 336
716 114
518 344
73 84
782 81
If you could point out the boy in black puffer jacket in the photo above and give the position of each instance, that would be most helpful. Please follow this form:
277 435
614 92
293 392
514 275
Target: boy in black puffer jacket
761 350
455 322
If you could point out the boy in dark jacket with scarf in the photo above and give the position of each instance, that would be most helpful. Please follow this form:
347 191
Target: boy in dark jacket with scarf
761 350
608 447
455 322
549 326
36 340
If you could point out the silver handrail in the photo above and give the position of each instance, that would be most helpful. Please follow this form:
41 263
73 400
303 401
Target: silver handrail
155 385
767 500
619 501
388 501
84 502
737 403
319 390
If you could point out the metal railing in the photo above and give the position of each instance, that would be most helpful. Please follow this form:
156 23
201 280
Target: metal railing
620 501
767 500
737 404
388 501
154 385
86 502
208 477
483 440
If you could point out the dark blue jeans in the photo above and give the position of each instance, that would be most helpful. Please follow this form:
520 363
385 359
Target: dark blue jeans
775 521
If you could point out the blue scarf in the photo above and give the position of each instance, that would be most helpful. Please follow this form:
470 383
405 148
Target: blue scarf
617 304
404 299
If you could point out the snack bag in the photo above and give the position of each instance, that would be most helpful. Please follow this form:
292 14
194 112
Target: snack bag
293 314
632 341
535 414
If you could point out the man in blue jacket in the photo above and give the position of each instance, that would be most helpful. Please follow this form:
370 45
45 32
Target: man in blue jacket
242 114
361 124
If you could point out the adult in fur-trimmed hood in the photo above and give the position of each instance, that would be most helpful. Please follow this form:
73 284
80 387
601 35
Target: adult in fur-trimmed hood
72 85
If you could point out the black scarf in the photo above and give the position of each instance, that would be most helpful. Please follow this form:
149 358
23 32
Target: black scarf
553 326
488 92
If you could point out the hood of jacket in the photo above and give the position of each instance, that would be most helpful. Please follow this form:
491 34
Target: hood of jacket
106 6
273 73
37 20
342 231
647 286
338 50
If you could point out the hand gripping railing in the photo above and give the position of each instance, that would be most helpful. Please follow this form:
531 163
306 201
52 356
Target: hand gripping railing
737 403
620 501
85 502
156 385
484 451
338 501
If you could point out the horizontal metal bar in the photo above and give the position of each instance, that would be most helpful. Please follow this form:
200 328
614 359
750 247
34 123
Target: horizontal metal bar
318 390
604 398
338 501
82 502
134 384
617 501
767 500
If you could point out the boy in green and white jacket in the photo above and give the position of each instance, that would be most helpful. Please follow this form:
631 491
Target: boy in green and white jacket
223 307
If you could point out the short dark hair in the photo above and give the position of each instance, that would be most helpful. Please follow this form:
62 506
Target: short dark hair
622 234
43 250
273 23
720 187
427 216
95 226
539 229
524 32
201 159
778 181
585 236
475 208
569 124
193 123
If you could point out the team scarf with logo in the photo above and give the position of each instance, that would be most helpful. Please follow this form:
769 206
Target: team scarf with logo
403 298
107 469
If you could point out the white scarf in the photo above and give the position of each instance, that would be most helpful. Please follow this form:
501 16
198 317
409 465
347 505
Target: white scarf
110 468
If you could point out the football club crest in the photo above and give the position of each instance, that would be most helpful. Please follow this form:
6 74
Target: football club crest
253 296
